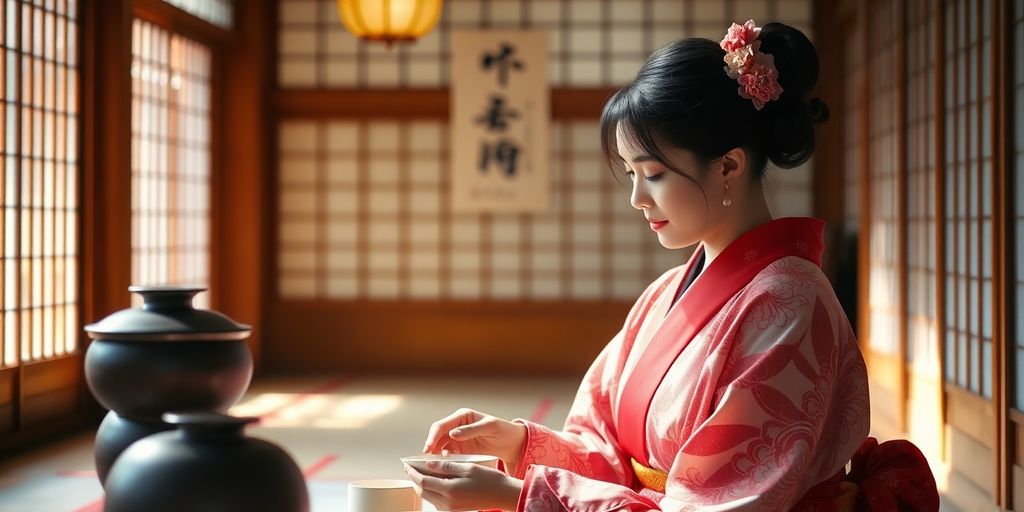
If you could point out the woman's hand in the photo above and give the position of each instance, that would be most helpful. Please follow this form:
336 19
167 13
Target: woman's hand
459 486
469 431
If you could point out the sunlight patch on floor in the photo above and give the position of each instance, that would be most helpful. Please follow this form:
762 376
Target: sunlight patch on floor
289 410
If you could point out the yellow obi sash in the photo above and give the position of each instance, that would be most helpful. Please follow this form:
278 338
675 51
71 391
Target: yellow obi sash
653 479
844 501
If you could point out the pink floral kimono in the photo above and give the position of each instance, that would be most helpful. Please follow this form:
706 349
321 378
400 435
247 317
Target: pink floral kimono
745 394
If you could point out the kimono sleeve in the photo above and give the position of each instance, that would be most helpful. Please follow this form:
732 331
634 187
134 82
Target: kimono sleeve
588 443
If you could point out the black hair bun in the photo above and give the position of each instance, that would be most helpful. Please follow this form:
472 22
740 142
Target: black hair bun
818 110
789 127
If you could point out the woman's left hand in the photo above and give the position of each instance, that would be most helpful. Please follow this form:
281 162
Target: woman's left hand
465 486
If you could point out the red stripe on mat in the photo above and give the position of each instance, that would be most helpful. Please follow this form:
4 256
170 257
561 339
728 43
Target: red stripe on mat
319 465
542 410
344 478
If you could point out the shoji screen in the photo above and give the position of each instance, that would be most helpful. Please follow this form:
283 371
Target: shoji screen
40 165
364 216
883 207
924 393
39 184
587 247
933 160
967 224
170 159
968 201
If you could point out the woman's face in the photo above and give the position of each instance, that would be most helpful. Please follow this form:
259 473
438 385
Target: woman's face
674 204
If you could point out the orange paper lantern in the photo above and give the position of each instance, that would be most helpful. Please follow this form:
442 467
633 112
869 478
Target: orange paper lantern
389 20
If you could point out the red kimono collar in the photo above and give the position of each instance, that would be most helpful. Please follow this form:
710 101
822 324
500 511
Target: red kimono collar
729 273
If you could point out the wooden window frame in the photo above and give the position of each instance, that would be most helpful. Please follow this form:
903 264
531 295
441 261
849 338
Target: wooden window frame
178 22
239 155
238 165
39 399
1011 422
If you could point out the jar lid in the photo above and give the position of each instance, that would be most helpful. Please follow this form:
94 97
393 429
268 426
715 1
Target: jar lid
207 419
167 314
209 425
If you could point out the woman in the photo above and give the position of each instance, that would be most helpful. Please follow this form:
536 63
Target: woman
736 382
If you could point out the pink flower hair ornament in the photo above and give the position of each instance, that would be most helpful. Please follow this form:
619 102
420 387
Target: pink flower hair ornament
747 64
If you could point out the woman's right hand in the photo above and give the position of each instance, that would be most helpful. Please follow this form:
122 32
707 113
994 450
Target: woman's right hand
469 431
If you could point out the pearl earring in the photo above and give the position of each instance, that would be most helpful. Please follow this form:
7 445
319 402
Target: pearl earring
725 196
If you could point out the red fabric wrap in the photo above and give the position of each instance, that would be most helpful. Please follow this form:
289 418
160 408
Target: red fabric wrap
893 477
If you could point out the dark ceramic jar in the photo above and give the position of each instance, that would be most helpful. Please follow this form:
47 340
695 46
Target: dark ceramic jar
206 464
164 356
116 433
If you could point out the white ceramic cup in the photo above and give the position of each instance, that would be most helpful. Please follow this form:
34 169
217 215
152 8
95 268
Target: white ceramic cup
382 496
420 462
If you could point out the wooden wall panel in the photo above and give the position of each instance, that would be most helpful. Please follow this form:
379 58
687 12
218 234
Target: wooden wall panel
972 416
55 375
107 89
241 217
579 103
8 385
9 378
50 406
472 338
6 418
829 189
972 485
1017 481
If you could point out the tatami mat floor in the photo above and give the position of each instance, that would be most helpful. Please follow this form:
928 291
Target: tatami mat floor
337 428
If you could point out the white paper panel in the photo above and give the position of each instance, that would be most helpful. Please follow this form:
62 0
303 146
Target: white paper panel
318 61
349 202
